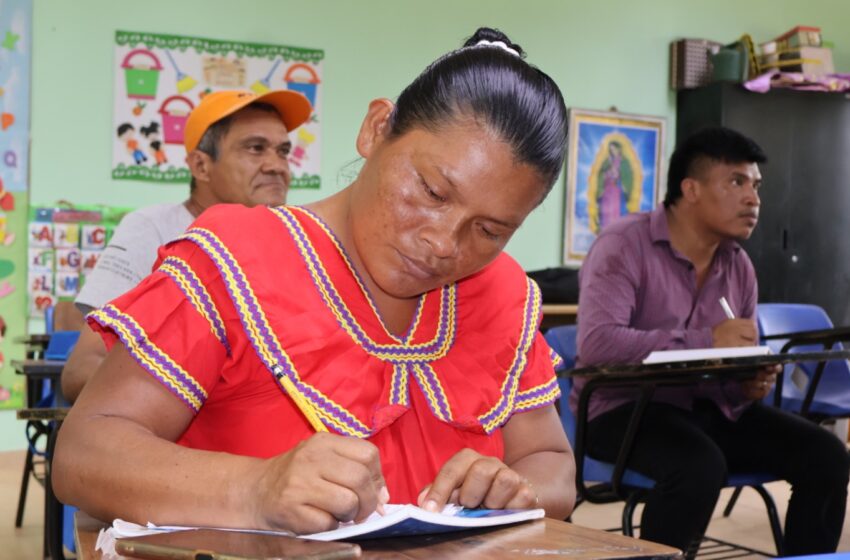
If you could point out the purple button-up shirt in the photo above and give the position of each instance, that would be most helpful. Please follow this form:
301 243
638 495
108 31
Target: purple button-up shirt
638 294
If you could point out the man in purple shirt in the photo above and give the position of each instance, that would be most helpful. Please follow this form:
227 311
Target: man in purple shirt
653 281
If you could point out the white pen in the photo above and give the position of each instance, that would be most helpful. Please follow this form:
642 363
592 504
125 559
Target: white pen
726 309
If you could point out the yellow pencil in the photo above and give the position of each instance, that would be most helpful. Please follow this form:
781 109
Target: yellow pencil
300 401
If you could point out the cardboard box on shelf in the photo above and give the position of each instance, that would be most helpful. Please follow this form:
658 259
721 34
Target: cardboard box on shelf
690 63
812 61
800 36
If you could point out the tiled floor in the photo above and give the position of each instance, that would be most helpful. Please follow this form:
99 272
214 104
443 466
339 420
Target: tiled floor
747 525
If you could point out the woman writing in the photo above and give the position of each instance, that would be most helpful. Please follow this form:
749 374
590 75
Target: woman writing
297 367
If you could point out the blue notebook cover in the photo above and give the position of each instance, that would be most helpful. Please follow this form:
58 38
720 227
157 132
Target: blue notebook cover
405 520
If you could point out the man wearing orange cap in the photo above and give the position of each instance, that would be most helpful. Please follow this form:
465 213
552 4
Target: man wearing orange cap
237 146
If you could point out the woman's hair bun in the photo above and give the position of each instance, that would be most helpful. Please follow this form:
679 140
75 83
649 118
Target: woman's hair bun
493 35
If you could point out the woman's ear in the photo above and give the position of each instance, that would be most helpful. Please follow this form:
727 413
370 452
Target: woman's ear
375 126
199 165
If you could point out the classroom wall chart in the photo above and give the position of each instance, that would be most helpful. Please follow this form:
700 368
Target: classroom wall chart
15 25
15 62
160 78
63 246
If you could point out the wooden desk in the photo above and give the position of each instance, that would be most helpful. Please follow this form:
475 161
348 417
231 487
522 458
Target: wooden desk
42 422
555 314
546 538
648 377
37 372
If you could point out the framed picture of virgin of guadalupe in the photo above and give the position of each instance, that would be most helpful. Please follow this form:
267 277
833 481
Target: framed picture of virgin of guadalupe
614 168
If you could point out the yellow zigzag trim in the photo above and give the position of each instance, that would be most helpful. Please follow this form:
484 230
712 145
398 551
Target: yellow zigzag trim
546 397
253 330
430 394
134 346
398 384
357 278
190 289
519 362
557 360
317 273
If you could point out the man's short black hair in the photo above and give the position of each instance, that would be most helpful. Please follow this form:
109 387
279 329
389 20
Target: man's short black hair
717 144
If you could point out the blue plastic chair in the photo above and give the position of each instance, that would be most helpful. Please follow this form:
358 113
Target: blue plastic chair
820 399
633 486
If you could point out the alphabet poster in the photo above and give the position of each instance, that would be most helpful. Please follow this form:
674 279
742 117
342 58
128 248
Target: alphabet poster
63 246
160 78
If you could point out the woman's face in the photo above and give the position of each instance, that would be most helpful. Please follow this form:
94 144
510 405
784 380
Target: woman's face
432 207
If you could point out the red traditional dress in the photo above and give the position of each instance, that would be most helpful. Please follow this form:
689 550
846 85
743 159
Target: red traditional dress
247 297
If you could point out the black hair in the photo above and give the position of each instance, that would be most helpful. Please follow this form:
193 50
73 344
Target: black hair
487 82
152 128
717 144
122 128
215 132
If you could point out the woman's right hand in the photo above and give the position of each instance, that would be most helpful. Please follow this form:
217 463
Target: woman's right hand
320 482
734 332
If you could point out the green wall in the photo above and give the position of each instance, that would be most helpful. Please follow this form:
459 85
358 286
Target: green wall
603 53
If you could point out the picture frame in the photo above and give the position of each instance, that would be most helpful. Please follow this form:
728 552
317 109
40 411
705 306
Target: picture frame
615 166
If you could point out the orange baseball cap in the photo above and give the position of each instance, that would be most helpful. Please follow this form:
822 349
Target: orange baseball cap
294 110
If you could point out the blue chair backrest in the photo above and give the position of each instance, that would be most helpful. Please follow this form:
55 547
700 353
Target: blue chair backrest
562 340
60 345
776 318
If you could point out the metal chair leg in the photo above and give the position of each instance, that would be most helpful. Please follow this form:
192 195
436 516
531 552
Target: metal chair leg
25 484
54 518
773 517
732 501
629 512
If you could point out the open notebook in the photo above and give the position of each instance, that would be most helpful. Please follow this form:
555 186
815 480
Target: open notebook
404 520
399 520
693 354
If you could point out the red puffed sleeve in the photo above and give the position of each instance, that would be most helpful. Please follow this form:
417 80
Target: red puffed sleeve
174 323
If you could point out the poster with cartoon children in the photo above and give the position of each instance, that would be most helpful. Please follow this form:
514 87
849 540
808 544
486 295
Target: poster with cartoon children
160 78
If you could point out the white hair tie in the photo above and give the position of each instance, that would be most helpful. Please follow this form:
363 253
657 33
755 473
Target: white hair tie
499 44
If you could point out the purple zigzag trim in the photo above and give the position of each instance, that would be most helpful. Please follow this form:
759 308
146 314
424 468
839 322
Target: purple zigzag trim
268 338
154 353
412 373
537 392
212 313
556 359
406 338
398 373
513 374
436 389
322 281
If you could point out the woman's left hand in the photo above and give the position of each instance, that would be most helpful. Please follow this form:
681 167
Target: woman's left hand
472 480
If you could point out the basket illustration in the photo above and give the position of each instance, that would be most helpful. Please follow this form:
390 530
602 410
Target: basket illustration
307 86
141 79
174 119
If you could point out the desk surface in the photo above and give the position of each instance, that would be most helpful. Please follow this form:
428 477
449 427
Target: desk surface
547 538
836 334
38 367
711 367
32 339
559 308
